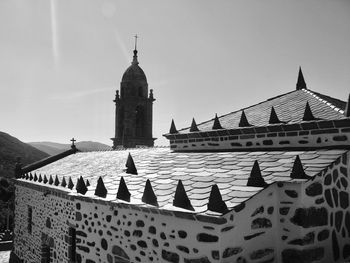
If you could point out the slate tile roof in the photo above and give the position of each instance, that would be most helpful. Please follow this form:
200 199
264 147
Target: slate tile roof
197 170
289 108
336 102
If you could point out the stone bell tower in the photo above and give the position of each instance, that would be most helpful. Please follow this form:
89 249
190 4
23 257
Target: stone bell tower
133 109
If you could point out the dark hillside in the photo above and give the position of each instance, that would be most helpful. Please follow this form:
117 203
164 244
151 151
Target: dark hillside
10 149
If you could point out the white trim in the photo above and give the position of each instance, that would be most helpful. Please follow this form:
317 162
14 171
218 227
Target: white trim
324 101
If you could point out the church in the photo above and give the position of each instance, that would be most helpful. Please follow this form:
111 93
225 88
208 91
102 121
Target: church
267 183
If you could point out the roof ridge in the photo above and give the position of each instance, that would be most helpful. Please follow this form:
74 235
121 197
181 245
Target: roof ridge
36 165
124 149
242 109
328 103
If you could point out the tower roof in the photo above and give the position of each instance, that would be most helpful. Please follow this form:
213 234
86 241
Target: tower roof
134 72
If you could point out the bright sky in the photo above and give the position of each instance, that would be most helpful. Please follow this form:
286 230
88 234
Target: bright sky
61 61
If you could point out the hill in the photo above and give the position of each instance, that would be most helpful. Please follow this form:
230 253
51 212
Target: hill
53 148
87 146
48 148
11 148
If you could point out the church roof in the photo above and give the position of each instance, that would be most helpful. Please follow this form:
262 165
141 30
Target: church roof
218 163
289 108
134 72
198 172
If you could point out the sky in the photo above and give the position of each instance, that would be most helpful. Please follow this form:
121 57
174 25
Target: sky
62 61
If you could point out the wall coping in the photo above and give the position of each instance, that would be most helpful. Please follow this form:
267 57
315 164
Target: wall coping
302 126
72 196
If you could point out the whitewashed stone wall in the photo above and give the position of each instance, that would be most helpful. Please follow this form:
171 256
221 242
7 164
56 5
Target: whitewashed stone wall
51 215
293 222
291 136
251 234
315 222
286 222
117 234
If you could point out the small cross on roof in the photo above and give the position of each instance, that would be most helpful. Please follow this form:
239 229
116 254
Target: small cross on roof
73 140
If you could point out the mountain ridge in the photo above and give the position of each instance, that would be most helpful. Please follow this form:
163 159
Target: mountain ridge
53 148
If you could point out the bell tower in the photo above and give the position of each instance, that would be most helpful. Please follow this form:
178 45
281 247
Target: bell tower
133 109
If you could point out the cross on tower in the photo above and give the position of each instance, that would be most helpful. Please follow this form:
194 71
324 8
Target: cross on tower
73 140
136 37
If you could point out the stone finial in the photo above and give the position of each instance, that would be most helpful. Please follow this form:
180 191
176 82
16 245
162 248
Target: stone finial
130 165
194 127
40 178
308 116
50 179
173 129
35 177
63 183
181 199
57 182
116 96
18 168
216 203
149 196
255 179
123 191
347 108
81 187
30 176
216 124
134 58
298 170
45 179
87 183
301 82
273 117
70 183
100 190
243 122
151 97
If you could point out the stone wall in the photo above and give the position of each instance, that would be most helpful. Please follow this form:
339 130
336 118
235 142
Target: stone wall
315 222
112 233
286 222
293 222
251 233
317 134
108 231
45 234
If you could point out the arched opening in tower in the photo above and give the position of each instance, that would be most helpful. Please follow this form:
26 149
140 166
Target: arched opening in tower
140 121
